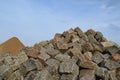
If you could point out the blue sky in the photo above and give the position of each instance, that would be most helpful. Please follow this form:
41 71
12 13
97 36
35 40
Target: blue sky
33 21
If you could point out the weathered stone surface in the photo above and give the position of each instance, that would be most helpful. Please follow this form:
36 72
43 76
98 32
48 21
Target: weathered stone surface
28 66
91 32
21 57
62 57
31 75
116 57
101 72
87 75
112 65
68 77
52 62
31 52
99 36
88 55
43 56
108 44
97 57
79 32
52 52
88 64
68 67
112 50
16 76
43 75
87 47
77 52
92 39
112 75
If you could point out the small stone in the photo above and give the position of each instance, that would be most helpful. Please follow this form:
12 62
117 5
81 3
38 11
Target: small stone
31 52
87 47
27 66
79 32
77 52
112 65
62 46
99 36
87 75
101 72
68 77
43 75
21 57
53 69
112 75
88 64
90 32
108 44
116 57
92 39
52 62
52 52
97 57
43 56
62 57
88 55
5 71
16 76
68 67
31 75
112 50
97 47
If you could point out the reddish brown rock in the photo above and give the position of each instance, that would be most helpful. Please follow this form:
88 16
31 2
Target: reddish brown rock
87 75
31 52
116 56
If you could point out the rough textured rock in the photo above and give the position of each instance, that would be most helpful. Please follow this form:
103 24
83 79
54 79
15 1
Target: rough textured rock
87 75
72 55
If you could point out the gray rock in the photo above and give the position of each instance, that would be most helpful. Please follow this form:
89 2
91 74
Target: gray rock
31 75
99 36
68 77
52 52
97 57
108 44
43 75
52 62
112 75
16 76
43 56
112 65
79 32
21 57
68 67
112 50
28 66
92 39
62 57
101 72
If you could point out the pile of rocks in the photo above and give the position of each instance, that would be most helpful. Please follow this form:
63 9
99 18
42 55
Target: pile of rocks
73 55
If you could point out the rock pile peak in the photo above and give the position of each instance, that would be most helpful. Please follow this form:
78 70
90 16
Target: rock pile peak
72 55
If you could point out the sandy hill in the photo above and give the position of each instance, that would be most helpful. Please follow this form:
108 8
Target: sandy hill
12 45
